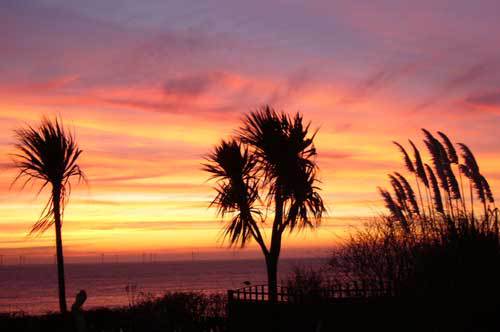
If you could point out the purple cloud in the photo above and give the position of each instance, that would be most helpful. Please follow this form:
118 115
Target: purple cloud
489 99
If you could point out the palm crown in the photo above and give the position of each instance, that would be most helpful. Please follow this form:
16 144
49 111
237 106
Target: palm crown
49 154
271 159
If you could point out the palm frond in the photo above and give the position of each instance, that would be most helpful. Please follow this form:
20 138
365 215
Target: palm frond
285 159
233 168
48 153
306 205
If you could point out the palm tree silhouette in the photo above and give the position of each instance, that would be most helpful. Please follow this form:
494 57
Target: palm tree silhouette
269 165
49 154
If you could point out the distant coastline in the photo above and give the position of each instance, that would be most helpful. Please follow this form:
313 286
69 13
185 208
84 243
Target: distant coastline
183 255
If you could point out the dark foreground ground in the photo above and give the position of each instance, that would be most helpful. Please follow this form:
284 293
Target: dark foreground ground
197 312
390 315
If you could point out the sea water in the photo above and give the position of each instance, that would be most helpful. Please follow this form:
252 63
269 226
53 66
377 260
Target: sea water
33 288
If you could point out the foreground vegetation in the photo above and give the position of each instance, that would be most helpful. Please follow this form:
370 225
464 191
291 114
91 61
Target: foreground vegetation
439 244
171 312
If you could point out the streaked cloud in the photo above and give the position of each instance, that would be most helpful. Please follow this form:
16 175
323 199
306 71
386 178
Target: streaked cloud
150 87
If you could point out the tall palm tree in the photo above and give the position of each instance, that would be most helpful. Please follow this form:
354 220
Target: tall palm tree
49 154
269 165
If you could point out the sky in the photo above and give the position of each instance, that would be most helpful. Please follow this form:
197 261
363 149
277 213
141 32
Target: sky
150 87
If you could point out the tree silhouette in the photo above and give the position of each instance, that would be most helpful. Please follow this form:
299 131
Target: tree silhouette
269 166
49 154
440 246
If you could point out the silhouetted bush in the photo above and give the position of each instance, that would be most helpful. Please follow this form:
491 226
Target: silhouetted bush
171 312
307 283
442 253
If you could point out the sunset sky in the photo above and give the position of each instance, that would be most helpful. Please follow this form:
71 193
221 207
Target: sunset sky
149 87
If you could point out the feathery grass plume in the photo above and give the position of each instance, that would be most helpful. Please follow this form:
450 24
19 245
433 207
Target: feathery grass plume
419 166
473 172
420 174
451 158
469 159
487 190
439 159
406 158
445 173
450 149
395 209
448 252
410 194
453 183
438 203
399 191
464 170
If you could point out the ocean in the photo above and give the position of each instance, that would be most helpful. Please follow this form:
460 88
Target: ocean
33 288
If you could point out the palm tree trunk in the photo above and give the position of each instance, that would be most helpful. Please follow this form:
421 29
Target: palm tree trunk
272 277
275 248
56 196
